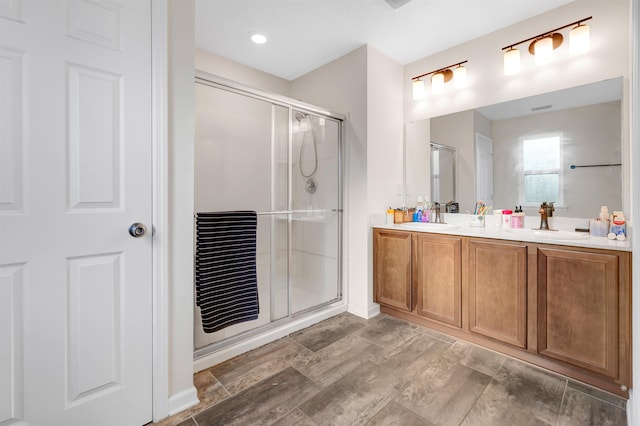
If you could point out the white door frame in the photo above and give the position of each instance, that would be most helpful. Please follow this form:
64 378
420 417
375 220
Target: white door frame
160 143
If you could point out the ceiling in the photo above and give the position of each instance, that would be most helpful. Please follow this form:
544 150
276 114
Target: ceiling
306 34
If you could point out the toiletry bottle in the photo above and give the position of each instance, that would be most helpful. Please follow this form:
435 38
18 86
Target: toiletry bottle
390 216
517 218
426 211
618 226
498 215
419 210
506 218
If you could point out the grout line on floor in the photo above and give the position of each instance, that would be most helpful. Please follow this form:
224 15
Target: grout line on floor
564 394
229 394
471 406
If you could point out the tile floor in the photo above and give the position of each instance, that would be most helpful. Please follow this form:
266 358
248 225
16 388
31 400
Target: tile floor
386 371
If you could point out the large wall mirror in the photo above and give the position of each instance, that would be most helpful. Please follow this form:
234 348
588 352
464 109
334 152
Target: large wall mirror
563 146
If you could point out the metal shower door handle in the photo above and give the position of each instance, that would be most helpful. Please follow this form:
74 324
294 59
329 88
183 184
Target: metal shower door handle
137 230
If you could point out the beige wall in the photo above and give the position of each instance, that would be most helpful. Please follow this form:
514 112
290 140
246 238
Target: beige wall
223 67
181 117
384 153
341 86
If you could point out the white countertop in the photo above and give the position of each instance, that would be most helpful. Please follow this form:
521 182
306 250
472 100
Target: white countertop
458 224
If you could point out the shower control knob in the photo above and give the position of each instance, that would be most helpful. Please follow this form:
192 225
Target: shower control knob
137 230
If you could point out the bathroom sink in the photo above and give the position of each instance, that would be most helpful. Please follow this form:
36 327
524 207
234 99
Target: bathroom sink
550 235
429 226
561 235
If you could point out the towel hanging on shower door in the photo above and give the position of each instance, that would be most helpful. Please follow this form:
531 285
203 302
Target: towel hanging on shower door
226 279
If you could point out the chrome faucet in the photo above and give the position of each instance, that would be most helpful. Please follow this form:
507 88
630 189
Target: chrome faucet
546 211
438 217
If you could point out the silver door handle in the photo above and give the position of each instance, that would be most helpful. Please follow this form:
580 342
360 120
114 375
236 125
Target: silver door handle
137 230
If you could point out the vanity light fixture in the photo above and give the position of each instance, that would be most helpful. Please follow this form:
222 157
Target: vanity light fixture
579 40
511 61
460 77
543 45
438 79
418 89
543 48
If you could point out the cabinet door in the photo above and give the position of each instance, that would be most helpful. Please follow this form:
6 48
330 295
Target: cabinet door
578 308
392 268
438 280
497 286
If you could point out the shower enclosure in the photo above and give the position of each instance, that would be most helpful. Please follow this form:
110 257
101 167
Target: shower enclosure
283 159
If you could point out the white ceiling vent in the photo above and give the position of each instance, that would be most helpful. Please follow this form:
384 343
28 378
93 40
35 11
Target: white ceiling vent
397 3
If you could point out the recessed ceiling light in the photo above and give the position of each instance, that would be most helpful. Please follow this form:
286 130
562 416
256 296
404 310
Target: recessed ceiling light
258 38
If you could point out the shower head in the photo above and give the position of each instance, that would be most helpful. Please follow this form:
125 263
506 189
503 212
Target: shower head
301 116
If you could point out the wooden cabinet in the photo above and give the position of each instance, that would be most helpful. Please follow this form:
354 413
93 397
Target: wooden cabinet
564 308
438 279
497 290
581 309
392 268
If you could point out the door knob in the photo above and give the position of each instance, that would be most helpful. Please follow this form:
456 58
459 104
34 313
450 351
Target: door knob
137 230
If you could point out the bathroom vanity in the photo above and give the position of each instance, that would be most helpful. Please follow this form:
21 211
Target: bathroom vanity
559 301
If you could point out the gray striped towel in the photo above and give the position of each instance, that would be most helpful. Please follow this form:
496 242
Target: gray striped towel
226 280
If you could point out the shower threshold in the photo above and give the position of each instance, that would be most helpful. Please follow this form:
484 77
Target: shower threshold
214 353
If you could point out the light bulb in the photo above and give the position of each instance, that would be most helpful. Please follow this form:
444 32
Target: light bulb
258 38
418 89
579 40
460 77
511 61
437 83
544 50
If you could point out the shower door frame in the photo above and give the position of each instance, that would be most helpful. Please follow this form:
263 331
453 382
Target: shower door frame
222 83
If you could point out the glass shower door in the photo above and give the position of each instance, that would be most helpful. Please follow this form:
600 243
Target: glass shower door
316 217
242 163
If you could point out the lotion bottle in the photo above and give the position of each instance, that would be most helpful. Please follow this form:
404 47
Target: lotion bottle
390 216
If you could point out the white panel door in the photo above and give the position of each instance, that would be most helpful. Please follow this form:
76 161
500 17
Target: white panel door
484 169
75 173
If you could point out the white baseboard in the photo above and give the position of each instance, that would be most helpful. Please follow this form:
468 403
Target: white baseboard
183 400
366 313
264 338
